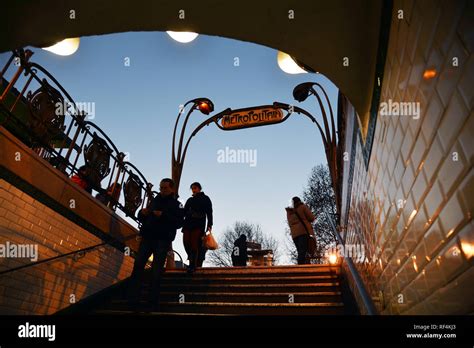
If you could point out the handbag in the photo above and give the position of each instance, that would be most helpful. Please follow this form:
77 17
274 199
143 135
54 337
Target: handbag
311 239
209 242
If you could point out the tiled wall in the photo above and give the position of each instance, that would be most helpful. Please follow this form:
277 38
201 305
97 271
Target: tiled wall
47 287
413 207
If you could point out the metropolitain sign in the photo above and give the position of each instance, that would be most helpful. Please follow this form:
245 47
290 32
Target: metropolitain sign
252 117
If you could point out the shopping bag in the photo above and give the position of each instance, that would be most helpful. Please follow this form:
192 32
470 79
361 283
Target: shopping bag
209 242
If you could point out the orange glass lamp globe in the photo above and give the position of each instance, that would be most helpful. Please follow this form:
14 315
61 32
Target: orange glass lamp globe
204 108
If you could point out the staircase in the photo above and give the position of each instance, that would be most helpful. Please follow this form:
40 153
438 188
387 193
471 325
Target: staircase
277 290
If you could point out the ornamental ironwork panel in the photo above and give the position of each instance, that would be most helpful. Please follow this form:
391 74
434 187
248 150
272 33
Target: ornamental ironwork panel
47 114
97 157
133 194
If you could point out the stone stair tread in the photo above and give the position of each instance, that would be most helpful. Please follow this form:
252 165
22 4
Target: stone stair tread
319 293
281 297
253 270
237 304
243 294
289 285
312 266
127 312
231 279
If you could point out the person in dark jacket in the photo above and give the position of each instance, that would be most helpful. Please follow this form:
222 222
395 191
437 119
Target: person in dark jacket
196 210
159 222
239 253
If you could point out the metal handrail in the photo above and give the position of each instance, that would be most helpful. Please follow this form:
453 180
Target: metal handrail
149 263
84 250
174 251
359 283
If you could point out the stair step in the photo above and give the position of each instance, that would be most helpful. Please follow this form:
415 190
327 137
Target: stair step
167 314
232 309
260 271
246 280
254 308
245 297
305 297
255 288
265 268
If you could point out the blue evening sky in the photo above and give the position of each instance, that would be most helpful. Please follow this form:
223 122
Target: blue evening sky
137 107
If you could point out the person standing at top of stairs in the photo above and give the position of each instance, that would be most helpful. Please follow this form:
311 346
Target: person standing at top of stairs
196 210
300 218
239 253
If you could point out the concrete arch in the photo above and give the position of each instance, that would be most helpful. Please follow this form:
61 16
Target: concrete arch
318 33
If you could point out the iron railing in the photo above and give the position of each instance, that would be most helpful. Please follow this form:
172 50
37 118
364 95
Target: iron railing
171 253
47 128
75 255
57 130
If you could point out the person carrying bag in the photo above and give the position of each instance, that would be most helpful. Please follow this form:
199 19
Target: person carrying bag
196 237
300 218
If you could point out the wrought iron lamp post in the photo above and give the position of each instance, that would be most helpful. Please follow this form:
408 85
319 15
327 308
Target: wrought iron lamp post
204 105
329 136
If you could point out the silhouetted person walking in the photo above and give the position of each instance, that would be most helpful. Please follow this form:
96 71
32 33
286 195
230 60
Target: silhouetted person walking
239 253
196 210
300 218
159 223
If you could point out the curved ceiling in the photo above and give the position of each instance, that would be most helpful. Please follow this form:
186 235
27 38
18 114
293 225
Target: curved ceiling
320 35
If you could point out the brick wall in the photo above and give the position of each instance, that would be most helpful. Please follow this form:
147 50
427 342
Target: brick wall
413 207
47 287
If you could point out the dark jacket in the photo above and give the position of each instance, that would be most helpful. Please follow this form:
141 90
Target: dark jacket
196 209
241 258
162 227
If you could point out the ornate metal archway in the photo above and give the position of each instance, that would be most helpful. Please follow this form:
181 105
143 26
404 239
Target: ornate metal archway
264 115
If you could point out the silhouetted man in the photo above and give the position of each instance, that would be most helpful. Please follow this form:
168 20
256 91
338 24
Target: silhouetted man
159 223
196 210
